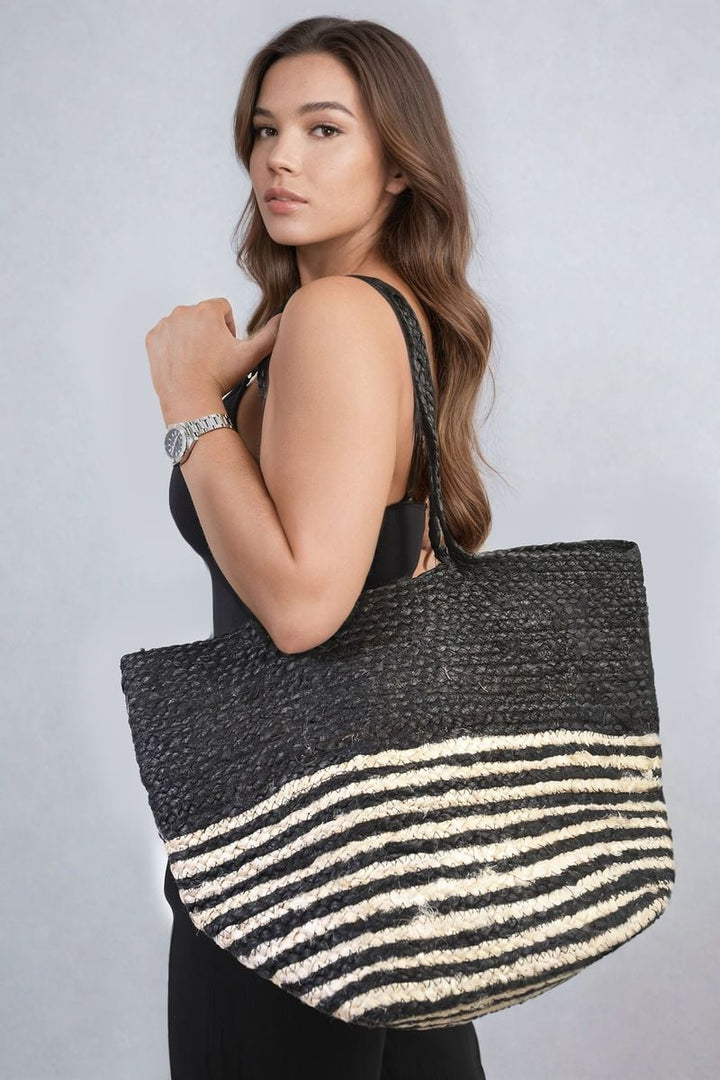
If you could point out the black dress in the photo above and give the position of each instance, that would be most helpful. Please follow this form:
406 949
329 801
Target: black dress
225 1022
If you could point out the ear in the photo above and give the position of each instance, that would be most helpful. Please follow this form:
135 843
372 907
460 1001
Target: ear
397 181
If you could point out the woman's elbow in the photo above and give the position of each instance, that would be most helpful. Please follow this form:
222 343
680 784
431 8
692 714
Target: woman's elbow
312 620
299 634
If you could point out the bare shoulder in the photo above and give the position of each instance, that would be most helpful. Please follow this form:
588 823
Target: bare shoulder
343 307
346 304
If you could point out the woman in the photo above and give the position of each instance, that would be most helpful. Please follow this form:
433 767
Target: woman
317 489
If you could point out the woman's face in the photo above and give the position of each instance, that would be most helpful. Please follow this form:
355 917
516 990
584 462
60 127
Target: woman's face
332 158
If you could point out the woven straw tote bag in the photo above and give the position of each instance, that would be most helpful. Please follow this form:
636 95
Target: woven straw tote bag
450 806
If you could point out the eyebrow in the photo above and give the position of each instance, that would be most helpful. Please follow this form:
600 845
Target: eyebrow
308 107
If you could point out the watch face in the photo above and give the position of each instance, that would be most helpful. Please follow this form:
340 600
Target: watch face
175 442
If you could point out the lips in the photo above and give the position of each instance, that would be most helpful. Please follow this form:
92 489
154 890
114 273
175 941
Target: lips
283 194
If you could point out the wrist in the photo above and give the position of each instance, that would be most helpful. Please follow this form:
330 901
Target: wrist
189 403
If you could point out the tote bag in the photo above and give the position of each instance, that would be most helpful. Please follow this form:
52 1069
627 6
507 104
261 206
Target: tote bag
450 806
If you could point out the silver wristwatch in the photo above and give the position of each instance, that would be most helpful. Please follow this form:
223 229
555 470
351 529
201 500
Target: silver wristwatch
181 437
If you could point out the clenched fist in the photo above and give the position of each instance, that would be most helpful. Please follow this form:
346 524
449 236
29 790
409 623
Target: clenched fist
193 351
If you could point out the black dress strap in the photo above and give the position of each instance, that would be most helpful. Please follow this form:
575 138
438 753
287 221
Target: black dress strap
263 376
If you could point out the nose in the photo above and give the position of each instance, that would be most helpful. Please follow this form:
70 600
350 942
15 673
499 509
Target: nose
282 154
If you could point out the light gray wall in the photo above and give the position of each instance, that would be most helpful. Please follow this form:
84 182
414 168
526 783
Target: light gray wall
588 131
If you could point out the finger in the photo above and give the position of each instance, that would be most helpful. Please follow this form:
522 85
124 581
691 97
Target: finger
270 327
261 342
227 313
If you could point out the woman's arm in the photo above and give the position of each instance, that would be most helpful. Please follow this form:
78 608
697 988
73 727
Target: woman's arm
295 537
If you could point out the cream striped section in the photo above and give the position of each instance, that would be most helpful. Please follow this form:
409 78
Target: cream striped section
380 870
527 967
480 883
282 928
462 744
461 1014
425 927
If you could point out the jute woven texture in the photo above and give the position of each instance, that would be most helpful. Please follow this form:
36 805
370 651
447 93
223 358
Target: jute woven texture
451 806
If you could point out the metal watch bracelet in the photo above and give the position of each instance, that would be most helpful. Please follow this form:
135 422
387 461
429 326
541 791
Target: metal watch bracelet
181 436
207 423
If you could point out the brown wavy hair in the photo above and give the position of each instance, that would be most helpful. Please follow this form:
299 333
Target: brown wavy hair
425 238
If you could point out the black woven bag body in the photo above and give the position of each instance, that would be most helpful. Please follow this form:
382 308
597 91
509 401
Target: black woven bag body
450 806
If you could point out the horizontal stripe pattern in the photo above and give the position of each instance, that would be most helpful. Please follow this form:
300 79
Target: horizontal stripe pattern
477 747
427 886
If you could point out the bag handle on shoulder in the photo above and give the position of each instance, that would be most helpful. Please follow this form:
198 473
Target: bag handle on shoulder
425 399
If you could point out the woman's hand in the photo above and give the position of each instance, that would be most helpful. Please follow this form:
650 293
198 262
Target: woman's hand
194 354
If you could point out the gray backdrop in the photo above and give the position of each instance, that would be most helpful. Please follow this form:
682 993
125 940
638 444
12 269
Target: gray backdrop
588 133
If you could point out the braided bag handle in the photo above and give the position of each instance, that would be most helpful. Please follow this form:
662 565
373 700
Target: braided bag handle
425 399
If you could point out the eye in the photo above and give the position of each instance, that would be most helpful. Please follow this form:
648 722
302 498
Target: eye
327 127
